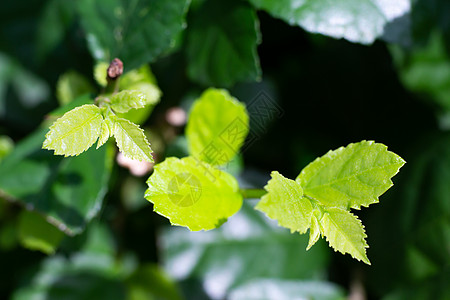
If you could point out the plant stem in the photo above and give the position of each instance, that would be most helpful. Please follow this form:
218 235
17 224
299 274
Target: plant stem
252 193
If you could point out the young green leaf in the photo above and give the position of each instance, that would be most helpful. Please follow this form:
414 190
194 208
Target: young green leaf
192 193
144 81
217 127
345 233
314 231
351 177
126 100
284 202
106 132
131 140
75 131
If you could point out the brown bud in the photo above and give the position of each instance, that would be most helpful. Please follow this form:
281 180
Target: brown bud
115 69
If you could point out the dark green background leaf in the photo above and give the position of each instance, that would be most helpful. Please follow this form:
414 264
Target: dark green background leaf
221 44
135 31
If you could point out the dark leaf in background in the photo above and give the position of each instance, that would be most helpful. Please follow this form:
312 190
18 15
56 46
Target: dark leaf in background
221 44
416 231
359 21
135 31
55 20
91 273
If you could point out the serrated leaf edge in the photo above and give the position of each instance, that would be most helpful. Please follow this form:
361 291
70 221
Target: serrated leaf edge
125 153
364 259
50 145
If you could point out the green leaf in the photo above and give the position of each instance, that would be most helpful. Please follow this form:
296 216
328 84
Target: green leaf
69 191
193 194
70 86
351 177
222 42
131 140
75 132
106 132
314 231
36 233
144 81
284 202
217 127
345 233
360 21
126 100
134 31
239 251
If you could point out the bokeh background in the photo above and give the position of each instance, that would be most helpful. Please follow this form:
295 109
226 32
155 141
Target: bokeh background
330 88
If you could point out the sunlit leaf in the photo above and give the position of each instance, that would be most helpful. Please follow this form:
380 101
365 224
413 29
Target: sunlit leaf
284 202
75 132
217 127
106 132
69 191
126 100
345 233
131 140
314 231
351 177
192 193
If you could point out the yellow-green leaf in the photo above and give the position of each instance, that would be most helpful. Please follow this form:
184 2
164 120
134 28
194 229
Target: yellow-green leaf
284 202
345 233
351 177
192 193
131 140
75 131
106 132
126 100
217 127
314 231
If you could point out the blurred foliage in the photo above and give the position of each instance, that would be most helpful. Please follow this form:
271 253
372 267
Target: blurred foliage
315 93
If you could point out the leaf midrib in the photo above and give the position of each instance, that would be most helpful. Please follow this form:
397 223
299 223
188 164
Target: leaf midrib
131 139
348 177
75 128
